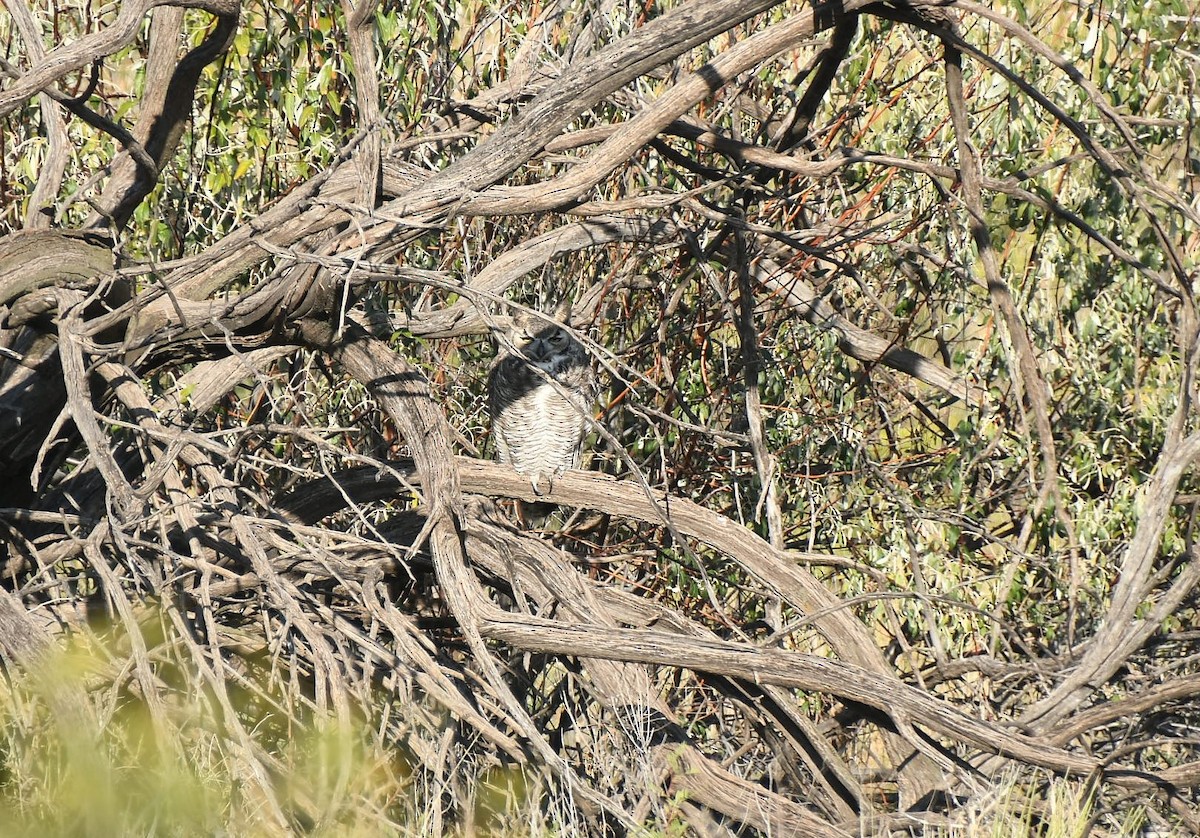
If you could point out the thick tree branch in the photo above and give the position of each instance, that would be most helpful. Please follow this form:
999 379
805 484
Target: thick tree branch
166 107
68 58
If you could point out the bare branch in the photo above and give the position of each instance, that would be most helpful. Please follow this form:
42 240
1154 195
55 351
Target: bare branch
71 57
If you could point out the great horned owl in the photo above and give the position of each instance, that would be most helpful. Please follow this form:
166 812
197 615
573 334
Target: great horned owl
539 427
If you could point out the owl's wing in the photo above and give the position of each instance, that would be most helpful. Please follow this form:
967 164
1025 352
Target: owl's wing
591 387
496 402
585 386
502 453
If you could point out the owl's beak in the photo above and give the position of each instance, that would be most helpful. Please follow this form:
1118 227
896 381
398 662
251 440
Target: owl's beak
536 351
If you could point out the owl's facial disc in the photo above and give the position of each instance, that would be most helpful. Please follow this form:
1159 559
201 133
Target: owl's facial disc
541 347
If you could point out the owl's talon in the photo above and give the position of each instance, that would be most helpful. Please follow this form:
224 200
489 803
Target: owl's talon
536 482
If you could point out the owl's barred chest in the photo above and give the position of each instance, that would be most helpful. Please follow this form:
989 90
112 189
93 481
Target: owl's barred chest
540 432
544 400
539 424
543 404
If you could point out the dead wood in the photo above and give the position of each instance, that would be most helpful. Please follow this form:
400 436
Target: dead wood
260 461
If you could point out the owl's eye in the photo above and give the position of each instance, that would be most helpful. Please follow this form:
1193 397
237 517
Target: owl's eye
559 337
524 339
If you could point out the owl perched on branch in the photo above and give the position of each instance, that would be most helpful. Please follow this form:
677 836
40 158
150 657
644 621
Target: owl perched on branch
541 388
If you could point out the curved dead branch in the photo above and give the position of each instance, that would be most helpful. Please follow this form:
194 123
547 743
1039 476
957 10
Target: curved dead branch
73 56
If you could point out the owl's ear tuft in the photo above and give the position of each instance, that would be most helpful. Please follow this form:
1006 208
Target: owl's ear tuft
562 312
499 327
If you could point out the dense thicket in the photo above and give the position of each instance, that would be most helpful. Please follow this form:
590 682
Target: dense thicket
887 521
